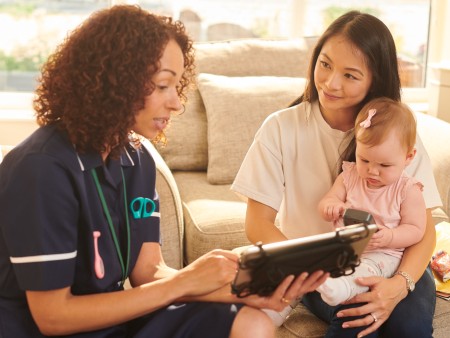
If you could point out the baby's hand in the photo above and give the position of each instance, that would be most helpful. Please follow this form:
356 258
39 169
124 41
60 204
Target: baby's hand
332 212
381 239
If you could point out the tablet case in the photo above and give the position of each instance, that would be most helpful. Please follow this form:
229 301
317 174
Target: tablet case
263 267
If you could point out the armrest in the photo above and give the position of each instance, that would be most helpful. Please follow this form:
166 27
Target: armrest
172 227
4 149
435 134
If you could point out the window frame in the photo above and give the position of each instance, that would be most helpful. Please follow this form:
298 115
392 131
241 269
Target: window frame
18 105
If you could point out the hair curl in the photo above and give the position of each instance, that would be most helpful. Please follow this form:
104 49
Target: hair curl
97 79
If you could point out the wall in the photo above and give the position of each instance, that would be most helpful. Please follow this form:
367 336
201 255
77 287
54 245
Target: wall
16 117
16 122
439 48
14 129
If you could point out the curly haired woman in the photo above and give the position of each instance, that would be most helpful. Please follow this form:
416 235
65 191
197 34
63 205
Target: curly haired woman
79 212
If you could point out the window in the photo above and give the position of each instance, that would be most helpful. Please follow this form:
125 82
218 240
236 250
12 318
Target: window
407 20
35 28
39 25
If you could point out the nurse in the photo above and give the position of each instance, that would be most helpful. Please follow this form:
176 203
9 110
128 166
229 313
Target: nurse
79 213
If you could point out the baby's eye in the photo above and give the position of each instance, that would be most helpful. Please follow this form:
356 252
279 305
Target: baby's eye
162 87
385 165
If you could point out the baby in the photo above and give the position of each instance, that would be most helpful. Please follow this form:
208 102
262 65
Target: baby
385 133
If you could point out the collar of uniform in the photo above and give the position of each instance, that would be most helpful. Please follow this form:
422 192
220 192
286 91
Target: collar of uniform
92 160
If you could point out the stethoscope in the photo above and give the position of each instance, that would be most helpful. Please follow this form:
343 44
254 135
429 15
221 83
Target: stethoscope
99 267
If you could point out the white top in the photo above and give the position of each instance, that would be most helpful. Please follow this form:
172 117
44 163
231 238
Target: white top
293 161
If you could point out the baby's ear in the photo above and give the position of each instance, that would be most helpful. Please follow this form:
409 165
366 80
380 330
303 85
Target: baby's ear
410 155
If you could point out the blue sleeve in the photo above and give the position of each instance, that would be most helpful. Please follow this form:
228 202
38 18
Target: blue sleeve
40 223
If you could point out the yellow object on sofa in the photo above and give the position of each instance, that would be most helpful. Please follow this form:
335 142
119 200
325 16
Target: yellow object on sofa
442 243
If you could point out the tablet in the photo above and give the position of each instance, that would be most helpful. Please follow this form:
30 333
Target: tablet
262 267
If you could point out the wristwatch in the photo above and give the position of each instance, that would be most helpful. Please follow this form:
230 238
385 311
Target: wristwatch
410 284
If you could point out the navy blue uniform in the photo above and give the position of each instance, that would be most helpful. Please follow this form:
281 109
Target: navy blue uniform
50 210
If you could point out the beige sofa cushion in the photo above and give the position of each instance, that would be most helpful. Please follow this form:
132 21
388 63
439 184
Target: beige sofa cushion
235 109
254 57
436 138
213 215
187 147
246 57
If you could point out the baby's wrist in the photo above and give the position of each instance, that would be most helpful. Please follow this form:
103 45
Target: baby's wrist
391 232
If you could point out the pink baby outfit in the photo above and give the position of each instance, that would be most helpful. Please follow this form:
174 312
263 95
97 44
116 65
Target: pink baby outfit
383 203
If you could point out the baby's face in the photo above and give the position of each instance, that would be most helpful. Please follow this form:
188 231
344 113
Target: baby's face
382 164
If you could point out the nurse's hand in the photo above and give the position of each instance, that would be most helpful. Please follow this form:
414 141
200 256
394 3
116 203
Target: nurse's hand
208 273
290 289
383 297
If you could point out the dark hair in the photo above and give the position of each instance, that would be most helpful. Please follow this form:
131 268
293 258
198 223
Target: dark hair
370 36
97 79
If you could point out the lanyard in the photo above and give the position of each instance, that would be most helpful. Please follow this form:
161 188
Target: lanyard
111 226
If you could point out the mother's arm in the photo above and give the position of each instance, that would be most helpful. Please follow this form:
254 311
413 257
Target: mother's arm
260 223
416 257
385 294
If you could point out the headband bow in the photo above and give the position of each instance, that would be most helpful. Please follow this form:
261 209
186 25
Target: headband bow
368 121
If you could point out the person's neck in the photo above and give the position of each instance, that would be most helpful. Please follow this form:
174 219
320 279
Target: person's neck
340 119
105 154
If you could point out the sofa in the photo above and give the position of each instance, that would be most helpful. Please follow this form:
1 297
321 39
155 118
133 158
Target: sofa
239 83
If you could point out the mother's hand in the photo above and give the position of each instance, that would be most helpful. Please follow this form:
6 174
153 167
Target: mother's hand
383 297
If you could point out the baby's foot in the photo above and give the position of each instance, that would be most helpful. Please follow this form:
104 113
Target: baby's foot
278 318
334 291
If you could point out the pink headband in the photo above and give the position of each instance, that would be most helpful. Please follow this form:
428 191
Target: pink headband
367 122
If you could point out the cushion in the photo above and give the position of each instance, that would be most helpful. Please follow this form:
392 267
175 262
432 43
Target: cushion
186 147
302 323
434 133
187 144
213 215
235 109
253 57
442 243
